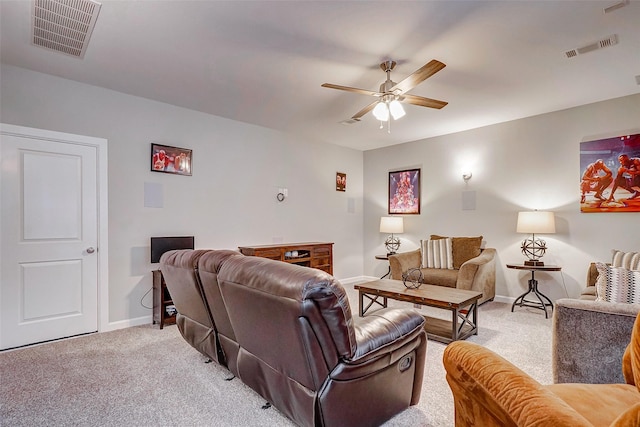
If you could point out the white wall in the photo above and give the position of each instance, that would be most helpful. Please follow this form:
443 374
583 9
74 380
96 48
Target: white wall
231 198
237 168
525 164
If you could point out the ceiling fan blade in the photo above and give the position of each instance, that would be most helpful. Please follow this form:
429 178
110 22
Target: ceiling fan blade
419 76
422 101
364 111
352 89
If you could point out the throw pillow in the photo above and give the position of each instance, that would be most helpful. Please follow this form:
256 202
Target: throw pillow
628 260
464 248
617 284
437 253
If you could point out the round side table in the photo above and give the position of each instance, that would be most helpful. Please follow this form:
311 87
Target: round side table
543 301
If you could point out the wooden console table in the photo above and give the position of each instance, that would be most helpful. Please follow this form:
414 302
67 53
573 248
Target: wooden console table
163 309
309 254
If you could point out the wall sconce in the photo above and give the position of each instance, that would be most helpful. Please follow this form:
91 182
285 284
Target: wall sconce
392 224
466 176
535 222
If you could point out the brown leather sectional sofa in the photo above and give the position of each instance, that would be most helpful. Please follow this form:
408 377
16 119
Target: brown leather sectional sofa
288 333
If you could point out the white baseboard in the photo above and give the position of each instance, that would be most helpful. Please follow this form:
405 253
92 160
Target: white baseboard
357 279
127 323
507 300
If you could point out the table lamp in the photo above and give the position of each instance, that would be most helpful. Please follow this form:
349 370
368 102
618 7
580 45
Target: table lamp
536 222
392 224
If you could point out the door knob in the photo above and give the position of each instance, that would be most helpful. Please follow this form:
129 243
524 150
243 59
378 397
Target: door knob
90 250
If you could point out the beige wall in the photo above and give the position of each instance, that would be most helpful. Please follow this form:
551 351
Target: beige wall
525 164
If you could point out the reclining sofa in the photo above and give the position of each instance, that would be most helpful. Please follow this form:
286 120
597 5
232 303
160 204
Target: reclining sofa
287 332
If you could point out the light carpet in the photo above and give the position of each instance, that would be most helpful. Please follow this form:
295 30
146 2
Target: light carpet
144 376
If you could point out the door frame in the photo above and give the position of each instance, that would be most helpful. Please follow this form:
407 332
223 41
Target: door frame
102 208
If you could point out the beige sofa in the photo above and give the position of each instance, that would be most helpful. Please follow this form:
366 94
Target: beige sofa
477 274
590 291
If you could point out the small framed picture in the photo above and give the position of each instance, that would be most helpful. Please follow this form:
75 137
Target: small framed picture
404 192
341 181
168 159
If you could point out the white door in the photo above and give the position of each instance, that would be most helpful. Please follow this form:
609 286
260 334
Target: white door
49 232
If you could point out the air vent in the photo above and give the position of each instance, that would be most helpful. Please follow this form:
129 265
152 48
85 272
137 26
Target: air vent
606 42
64 25
615 6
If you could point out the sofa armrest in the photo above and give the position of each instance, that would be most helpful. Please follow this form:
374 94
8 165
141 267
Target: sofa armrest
383 338
589 339
401 262
592 274
385 330
479 274
489 390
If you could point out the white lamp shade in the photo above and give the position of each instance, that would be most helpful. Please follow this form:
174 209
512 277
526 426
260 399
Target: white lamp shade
381 111
536 222
391 224
396 109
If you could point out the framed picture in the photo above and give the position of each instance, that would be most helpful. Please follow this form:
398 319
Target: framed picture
168 159
610 174
341 181
404 192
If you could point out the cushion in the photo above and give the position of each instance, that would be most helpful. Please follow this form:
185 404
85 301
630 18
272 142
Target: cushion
617 284
437 253
464 248
628 260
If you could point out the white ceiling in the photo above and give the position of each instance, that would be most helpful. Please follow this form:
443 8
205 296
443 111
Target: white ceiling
262 62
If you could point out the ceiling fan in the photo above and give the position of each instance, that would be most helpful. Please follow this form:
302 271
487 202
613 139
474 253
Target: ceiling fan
391 94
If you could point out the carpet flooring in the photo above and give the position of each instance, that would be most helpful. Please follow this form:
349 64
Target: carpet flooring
144 376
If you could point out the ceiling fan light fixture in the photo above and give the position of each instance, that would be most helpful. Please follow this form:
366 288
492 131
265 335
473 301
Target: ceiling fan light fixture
396 110
381 111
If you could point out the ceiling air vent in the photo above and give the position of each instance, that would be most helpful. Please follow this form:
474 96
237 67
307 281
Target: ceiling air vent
616 6
606 42
64 25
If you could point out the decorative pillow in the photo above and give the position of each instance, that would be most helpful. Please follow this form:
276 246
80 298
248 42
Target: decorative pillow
437 253
464 248
628 260
617 284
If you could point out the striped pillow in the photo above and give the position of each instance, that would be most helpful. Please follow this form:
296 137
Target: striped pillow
437 253
617 284
628 260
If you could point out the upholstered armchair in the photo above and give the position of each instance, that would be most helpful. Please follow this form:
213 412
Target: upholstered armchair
490 391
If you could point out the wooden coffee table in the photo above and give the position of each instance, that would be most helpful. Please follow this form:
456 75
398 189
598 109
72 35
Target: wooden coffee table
462 304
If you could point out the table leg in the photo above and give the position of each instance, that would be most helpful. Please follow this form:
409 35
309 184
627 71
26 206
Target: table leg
540 304
454 325
469 317
388 273
475 317
372 300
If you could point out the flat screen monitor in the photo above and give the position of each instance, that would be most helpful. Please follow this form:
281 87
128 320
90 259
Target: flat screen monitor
160 245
